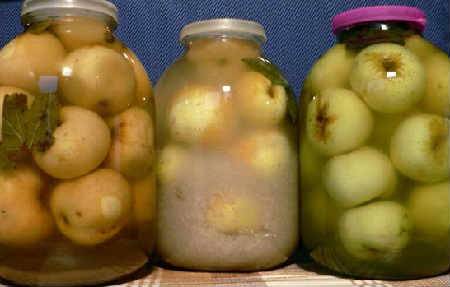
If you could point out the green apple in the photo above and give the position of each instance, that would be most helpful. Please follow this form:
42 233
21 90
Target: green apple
338 121
389 78
318 217
332 70
419 148
359 176
378 231
429 208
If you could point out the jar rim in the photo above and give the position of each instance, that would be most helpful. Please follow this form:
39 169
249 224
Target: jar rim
224 27
411 15
102 7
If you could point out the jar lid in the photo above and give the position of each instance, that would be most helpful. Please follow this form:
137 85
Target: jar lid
229 26
412 15
99 6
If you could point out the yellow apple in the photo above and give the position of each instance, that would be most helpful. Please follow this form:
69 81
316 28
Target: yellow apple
268 153
28 57
259 102
232 214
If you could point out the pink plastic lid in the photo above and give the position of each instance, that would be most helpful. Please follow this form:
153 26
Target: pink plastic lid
413 16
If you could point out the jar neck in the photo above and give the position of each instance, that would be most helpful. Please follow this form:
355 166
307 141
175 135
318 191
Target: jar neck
363 35
222 46
64 13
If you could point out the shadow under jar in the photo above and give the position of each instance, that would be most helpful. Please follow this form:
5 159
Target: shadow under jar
77 192
374 149
227 160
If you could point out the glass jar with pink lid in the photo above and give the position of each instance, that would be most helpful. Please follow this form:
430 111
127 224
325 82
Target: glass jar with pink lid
374 157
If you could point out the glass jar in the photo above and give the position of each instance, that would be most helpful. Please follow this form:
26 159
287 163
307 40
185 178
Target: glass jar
226 145
77 192
374 148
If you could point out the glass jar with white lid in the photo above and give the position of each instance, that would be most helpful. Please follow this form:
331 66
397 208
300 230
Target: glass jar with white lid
77 191
227 160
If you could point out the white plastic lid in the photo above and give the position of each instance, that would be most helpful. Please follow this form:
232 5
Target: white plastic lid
98 6
226 26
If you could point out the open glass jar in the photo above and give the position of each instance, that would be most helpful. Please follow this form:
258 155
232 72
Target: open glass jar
374 148
227 160
77 193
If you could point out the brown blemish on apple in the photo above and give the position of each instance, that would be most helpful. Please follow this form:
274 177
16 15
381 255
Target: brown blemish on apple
102 106
387 63
271 91
65 219
439 137
323 120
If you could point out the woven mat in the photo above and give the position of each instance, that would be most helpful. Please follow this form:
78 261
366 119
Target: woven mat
291 275
308 274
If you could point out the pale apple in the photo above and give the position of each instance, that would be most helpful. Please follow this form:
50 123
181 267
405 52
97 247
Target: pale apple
260 103
200 115
268 153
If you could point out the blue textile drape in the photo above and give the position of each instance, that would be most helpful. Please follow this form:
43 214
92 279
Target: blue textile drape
298 30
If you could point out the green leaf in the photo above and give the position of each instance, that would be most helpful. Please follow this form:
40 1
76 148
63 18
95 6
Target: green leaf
13 129
271 72
13 126
26 129
41 120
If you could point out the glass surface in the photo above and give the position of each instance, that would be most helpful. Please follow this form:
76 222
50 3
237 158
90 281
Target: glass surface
77 191
227 164
374 155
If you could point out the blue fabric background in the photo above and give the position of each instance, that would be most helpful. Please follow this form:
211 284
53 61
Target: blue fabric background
298 30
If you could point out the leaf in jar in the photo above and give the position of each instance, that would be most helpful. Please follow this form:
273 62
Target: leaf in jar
13 126
26 129
13 129
40 121
271 72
